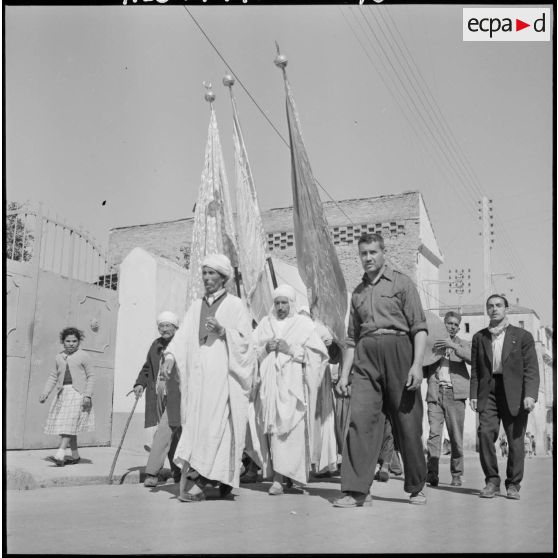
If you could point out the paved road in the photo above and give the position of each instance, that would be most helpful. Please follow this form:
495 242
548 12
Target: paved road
125 519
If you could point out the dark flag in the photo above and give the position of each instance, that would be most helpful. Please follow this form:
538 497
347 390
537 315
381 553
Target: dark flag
316 256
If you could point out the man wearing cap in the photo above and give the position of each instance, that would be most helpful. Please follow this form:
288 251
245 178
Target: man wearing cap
292 360
385 349
214 355
504 388
162 402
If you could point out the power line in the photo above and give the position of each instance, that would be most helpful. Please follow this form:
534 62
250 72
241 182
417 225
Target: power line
259 108
449 146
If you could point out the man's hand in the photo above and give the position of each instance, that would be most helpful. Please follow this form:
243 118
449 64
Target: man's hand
283 347
529 404
86 403
213 326
414 378
473 404
43 397
441 344
342 387
271 345
166 367
138 390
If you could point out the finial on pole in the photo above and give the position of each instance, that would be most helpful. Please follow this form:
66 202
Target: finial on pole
209 95
280 60
228 80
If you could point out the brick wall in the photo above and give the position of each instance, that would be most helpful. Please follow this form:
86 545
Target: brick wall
396 217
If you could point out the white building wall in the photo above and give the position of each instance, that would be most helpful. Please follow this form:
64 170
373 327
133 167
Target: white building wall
147 285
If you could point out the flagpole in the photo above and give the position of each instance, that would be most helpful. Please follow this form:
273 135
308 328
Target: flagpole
237 281
272 271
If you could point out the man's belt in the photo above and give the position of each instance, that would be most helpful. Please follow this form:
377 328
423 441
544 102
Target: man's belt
382 331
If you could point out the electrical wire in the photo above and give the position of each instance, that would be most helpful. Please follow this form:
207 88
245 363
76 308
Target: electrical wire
259 108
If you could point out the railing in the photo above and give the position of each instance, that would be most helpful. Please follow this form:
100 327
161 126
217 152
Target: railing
59 247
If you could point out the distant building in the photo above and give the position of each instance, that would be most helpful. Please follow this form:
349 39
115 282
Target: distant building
402 219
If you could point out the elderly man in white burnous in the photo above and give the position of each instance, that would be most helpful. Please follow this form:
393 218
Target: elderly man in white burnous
291 355
216 361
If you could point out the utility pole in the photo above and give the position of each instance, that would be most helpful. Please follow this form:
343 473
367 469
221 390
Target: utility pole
487 241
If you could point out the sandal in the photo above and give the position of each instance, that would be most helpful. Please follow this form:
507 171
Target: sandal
73 460
192 497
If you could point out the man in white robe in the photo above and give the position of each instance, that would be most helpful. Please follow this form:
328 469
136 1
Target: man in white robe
216 361
291 354
323 444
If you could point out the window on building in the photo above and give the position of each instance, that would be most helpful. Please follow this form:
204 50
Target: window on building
466 327
522 324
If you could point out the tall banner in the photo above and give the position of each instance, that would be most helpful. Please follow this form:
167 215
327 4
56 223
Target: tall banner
251 234
316 256
213 231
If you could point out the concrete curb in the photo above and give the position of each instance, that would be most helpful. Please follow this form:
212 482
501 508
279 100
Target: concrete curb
30 469
20 479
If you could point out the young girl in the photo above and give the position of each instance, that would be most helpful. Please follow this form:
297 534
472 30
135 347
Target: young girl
71 411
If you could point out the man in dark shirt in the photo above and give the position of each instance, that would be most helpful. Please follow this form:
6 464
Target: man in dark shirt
385 348
162 403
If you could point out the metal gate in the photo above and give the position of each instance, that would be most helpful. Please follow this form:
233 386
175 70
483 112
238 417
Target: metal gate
56 277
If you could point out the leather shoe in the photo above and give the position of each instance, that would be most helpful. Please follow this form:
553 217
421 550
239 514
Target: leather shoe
382 476
57 462
512 492
432 479
225 490
489 491
151 481
353 500
456 480
417 498
249 477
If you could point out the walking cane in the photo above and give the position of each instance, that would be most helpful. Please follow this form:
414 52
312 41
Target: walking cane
122 440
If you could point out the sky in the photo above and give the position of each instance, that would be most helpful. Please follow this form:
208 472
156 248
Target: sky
106 103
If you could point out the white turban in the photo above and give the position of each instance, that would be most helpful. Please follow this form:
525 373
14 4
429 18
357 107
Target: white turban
168 318
220 263
286 291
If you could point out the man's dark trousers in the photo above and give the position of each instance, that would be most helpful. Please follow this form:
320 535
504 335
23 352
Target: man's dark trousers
496 410
380 369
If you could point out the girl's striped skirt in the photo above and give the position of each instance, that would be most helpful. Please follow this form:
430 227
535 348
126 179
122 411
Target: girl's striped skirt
65 415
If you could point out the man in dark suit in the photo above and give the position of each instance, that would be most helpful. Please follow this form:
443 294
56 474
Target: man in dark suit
504 388
162 403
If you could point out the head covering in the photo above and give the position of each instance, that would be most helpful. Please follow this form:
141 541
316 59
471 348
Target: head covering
220 263
167 317
288 292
